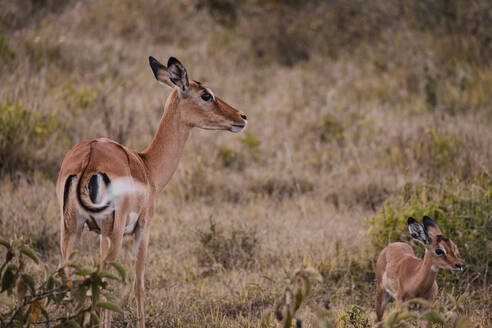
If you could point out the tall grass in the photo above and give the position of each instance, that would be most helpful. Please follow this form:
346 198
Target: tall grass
360 113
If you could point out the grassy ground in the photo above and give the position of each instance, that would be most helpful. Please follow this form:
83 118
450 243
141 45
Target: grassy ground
350 106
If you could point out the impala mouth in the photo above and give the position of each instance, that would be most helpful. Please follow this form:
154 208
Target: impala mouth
238 127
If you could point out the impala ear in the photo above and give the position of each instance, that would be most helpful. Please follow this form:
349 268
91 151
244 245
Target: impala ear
160 72
178 75
417 231
431 227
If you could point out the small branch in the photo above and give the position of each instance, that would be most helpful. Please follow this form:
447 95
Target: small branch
31 299
73 316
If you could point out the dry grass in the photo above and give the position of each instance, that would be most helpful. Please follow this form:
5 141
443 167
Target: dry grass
335 129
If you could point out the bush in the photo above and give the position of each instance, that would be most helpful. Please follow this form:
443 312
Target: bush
23 134
231 158
463 214
354 318
436 313
25 296
228 250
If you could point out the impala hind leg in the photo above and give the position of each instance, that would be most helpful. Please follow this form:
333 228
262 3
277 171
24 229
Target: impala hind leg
382 299
110 244
70 232
141 243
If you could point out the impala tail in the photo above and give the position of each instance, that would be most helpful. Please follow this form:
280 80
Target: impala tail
96 193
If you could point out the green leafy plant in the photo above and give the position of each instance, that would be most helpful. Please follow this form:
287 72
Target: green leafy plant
54 300
435 313
22 134
354 318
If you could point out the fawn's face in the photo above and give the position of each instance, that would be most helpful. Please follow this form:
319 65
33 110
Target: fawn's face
445 254
443 250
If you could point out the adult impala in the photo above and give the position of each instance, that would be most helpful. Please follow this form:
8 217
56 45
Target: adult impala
401 275
97 184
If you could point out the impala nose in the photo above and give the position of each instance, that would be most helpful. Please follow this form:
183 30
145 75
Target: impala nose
458 266
244 117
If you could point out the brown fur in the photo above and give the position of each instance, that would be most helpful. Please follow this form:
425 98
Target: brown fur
403 276
152 169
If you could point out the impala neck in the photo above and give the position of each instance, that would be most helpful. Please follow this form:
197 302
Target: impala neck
425 276
164 152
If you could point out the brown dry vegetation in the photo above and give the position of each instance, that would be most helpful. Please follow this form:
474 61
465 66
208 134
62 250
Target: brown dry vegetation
348 102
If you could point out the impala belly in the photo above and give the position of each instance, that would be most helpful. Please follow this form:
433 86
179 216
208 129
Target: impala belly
390 285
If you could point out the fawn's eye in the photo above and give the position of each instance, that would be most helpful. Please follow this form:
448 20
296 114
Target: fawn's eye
439 252
207 96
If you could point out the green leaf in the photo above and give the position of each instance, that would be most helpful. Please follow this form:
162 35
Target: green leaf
21 290
83 271
110 306
72 255
50 283
109 275
288 320
74 265
8 279
390 319
299 298
45 313
29 253
433 316
29 280
94 317
405 315
4 243
120 269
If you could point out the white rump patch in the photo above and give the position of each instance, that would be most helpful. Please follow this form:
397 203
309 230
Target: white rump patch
121 187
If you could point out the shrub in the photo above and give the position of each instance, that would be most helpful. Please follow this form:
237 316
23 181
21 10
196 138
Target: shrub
354 318
436 313
24 296
230 158
228 250
330 129
23 134
6 54
251 142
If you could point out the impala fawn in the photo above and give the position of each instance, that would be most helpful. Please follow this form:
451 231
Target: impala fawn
401 275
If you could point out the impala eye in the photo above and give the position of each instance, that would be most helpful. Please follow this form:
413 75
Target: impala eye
207 96
439 252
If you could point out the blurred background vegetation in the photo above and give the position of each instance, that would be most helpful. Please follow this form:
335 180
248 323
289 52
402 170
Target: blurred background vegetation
361 113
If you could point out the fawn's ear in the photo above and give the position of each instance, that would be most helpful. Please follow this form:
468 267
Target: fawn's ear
417 231
431 227
160 72
178 75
